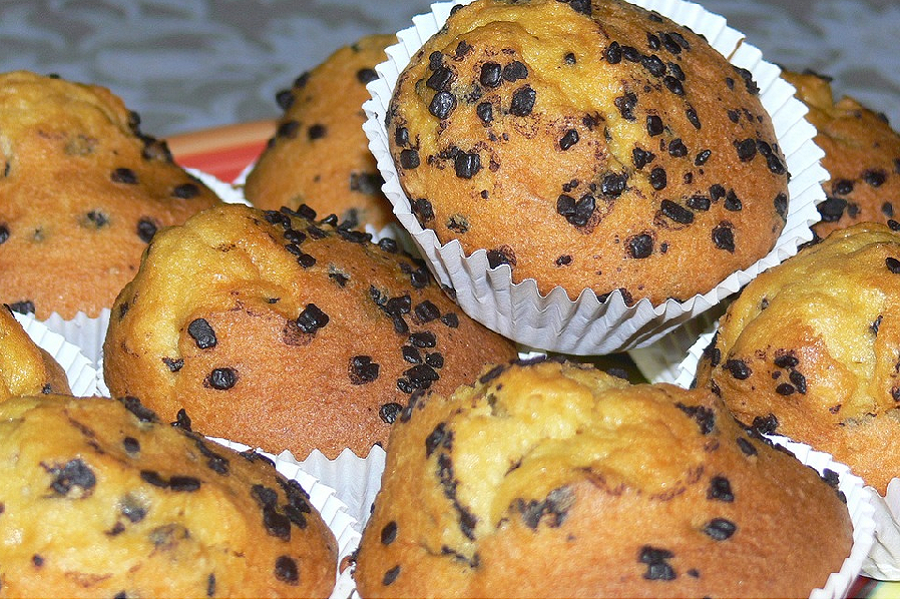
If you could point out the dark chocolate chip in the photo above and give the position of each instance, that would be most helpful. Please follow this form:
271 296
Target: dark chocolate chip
523 101
723 237
614 53
312 319
738 368
286 570
75 474
658 178
134 406
146 229
676 212
720 487
391 576
720 529
640 246
569 139
467 164
442 105
203 334
657 567
514 71
124 175
389 533
490 74
222 378
362 370
388 412
654 125
186 191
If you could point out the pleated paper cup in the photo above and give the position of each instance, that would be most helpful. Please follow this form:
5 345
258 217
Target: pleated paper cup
586 325
81 373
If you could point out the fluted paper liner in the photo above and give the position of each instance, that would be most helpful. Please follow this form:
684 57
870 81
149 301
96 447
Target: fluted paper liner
81 374
587 326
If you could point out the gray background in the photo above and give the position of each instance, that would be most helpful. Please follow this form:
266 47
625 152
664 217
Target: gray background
186 65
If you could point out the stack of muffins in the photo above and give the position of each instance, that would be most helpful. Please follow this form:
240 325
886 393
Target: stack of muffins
588 175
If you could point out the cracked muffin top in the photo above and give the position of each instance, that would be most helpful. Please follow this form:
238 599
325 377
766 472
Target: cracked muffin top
552 479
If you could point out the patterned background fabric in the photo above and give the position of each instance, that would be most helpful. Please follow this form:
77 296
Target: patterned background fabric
191 64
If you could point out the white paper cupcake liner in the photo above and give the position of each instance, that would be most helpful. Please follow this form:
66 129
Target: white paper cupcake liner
587 326
323 498
80 371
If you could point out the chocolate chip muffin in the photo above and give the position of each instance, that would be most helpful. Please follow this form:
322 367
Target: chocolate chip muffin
809 351
82 191
281 331
319 155
862 154
25 368
104 500
588 145
558 480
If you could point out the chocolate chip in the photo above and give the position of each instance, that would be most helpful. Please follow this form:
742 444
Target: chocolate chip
640 246
134 406
523 101
693 118
676 212
781 205
641 158
222 378
738 368
569 139
720 487
501 256
658 178
612 185
440 79
702 157
767 424
124 175
146 229
4 234
184 483
732 202
362 370
312 319
388 412
131 445
391 576
75 476
614 53
746 149
785 389
654 125
720 529
182 420
490 74
389 533
186 191
746 446
442 105
24 307
723 236
626 105
654 65
705 417
657 567
677 148
892 264
154 478
874 177
698 203
798 380
467 164
286 570
515 71
427 311
423 339
203 334
674 85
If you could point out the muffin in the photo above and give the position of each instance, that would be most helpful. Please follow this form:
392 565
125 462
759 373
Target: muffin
277 330
319 155
589 146
25 368
82 192
558 480
862 155
107 501
809 351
